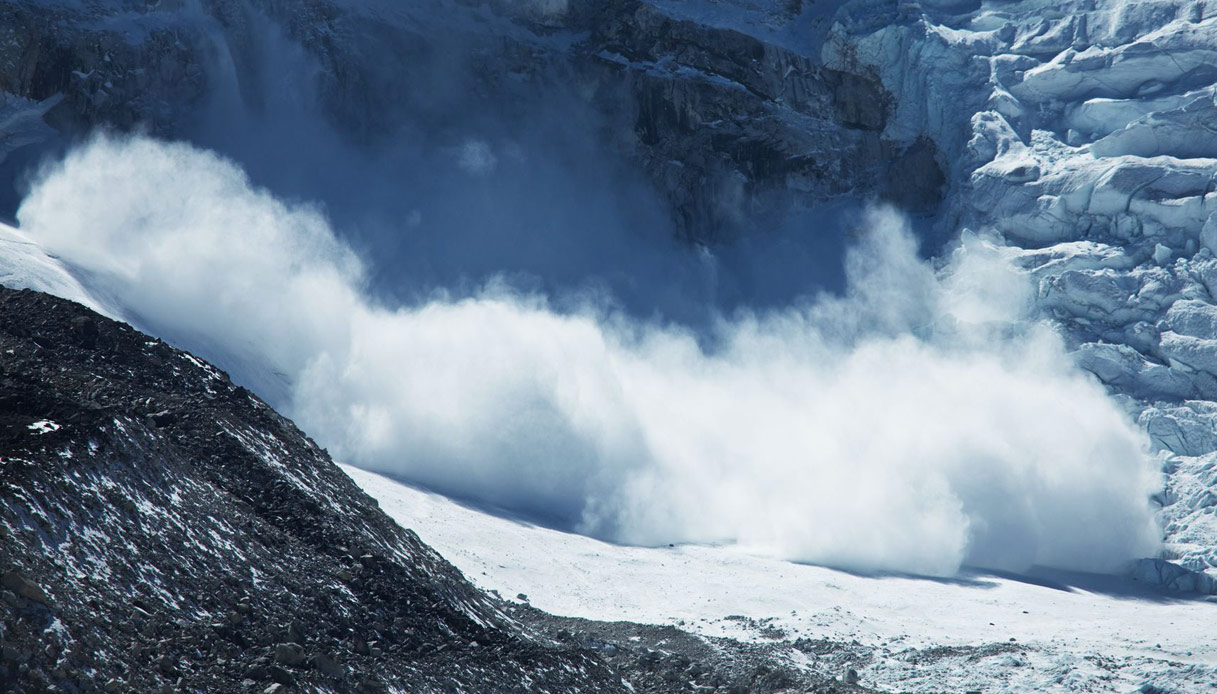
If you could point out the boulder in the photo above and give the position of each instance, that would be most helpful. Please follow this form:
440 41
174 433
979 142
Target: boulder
19 584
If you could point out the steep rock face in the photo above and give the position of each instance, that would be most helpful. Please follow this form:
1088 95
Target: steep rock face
115 64
732 127
162 527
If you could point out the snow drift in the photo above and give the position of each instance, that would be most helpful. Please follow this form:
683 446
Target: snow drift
919 421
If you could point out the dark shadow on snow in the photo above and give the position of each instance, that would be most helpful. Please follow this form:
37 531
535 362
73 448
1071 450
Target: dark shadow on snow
1122 587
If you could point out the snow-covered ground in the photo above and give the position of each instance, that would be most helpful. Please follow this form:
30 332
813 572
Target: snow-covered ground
978 632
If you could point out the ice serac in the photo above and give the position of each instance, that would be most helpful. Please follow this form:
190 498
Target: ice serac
1082 133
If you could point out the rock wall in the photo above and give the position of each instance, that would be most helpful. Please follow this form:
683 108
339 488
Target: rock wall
732 128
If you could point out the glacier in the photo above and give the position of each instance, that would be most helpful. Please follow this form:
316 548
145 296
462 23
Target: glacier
1052 632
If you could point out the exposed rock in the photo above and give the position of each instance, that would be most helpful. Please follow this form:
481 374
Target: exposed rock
289 654
281 676
732 128
240 524
328 666
19 584
231 488
138 70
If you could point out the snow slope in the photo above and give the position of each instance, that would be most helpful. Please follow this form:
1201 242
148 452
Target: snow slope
25 265
979 632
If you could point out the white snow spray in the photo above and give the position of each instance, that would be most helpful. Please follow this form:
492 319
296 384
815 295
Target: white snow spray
917 422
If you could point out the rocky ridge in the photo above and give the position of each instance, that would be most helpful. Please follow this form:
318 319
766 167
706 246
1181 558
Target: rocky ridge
164 530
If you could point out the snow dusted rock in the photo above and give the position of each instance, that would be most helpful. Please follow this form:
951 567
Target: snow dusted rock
140 552
730 124
113 62
189 545
24 587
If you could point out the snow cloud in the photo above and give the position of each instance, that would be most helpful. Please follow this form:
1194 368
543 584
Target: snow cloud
917 422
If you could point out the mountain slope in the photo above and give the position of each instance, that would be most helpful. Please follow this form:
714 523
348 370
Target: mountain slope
162 528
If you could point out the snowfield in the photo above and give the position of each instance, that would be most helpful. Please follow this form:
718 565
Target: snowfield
1051 632
25 265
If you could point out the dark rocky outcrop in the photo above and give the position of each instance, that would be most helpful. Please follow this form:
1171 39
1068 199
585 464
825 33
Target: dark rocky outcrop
734 130
731 130
165 530
123 69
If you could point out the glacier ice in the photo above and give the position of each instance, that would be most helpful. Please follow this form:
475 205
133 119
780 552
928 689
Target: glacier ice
1083 135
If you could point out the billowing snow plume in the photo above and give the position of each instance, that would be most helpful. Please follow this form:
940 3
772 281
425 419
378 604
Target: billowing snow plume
918 422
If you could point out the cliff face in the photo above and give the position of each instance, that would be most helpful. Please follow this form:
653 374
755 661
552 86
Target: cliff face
162 527
733 129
